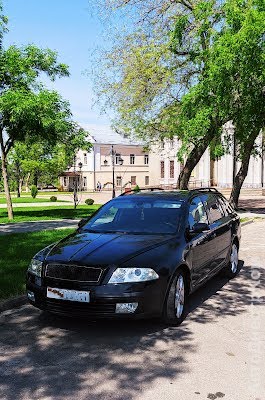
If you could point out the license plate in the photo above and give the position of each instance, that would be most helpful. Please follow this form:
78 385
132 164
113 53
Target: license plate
70 295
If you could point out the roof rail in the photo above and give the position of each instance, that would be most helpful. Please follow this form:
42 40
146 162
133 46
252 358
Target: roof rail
204 189
150 189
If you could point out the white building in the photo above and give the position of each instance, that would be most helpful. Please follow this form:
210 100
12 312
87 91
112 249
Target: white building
98 165
158 167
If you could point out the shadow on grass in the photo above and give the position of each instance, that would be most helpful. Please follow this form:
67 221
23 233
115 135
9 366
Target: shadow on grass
53 357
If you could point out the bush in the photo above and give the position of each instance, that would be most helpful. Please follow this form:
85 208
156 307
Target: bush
89 202
53 198
34 191
136 189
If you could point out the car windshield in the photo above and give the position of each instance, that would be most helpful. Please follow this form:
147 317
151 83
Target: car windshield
137 216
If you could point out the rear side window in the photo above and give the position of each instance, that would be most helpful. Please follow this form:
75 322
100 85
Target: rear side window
214 208
228 209
197 212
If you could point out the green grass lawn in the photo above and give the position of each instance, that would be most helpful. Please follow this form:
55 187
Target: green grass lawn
23 214
29 199
16 252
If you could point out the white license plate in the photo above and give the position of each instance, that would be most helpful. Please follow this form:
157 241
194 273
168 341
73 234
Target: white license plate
70 295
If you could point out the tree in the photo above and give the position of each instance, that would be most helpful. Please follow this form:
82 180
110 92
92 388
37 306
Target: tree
28 111
237 78
216 46
153 75
40 162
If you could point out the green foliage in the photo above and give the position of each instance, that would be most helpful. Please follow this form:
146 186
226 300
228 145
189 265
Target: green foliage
136 189
12 267
33 116
53 198
89 202
34 191
25 214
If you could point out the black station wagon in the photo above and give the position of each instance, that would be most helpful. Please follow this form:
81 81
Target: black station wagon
140 255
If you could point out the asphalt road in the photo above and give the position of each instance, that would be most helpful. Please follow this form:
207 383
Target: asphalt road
218 352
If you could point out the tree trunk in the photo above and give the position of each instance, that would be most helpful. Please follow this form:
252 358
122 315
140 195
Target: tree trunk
27 183
5 179
192 160
18 178
243 171
20 184
35 179
18 187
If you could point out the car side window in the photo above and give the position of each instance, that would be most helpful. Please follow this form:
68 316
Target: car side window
197 212
214 208
227 207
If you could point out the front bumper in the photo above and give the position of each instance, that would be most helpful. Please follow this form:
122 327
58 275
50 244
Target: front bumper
103 299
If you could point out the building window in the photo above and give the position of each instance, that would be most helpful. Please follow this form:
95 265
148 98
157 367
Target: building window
162 169
146 159
85 181
117 158
171 169
132 158
146 180
118 181
64 181
133 180
171 143
85 158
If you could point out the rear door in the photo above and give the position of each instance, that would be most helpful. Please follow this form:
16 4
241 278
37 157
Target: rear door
202 249
220 224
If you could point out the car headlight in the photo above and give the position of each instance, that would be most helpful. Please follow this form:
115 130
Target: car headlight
126 275
35 267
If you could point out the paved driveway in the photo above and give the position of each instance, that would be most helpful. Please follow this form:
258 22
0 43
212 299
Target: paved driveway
218 352
34 226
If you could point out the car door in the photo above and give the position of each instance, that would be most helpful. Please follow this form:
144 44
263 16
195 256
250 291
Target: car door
221 230
201 247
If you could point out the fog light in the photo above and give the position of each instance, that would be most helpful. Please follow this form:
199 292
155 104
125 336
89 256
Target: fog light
126 308
31 295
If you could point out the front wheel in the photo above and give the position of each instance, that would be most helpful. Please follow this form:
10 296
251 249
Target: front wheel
175 305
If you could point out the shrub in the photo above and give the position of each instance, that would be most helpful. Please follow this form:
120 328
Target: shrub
89 202
53 198
34 191
136 189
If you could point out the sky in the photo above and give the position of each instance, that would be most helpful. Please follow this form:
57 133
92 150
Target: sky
74 31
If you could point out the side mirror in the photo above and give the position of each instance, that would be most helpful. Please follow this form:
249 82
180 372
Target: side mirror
83 221
199 227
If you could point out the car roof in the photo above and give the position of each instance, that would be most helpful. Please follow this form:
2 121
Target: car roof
181 195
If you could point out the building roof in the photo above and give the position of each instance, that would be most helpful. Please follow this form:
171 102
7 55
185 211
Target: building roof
105 135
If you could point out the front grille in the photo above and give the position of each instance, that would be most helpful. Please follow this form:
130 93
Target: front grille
75 309
75 273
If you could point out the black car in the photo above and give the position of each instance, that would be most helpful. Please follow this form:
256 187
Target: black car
140 255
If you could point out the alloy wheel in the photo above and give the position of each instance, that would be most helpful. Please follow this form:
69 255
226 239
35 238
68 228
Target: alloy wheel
179 296
234 258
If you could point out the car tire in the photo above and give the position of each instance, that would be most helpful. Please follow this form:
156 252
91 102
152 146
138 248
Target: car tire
175 305
232 267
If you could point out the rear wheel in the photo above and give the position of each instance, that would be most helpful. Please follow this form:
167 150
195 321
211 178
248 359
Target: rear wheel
175 305
232 267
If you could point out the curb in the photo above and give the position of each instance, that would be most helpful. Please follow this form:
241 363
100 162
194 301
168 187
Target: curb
14 302
247 222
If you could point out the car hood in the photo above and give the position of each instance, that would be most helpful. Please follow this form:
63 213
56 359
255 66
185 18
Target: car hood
104 249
